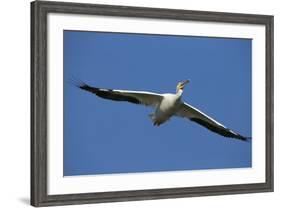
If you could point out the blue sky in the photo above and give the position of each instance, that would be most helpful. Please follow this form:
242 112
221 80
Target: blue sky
103 136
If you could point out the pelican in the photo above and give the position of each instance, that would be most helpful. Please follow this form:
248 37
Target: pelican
166 105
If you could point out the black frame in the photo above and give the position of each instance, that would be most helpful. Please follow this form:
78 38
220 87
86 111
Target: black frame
39 12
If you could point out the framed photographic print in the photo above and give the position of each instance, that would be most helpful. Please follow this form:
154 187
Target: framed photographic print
131 103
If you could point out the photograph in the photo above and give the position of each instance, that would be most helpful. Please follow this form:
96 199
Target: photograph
149 102
137 103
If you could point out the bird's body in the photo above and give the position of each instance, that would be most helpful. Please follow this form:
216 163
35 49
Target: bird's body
166 109
166 105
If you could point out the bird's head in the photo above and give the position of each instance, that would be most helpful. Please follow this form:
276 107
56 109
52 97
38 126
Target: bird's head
182 84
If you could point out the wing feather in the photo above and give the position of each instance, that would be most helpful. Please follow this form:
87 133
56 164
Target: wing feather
136 97
202 119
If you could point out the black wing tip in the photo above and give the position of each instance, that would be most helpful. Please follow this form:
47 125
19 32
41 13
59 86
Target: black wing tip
82 85
223 132
76 82
239 136
245 139
103 92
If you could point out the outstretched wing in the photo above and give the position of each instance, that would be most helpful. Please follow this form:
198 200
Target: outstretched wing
199 117
136 97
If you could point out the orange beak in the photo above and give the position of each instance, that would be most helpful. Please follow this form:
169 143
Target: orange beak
183 83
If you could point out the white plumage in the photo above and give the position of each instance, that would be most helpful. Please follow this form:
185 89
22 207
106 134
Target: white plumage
166 105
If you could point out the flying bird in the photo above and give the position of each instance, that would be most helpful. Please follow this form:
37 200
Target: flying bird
166 105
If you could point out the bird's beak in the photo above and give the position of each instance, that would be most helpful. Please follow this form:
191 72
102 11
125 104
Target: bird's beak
185 82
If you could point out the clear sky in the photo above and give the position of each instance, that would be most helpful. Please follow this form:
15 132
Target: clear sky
103 136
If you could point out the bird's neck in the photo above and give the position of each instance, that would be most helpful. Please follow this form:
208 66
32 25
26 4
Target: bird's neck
179 92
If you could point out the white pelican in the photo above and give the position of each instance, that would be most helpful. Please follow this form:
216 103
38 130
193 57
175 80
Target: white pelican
166 105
